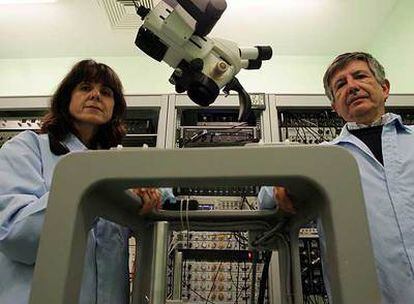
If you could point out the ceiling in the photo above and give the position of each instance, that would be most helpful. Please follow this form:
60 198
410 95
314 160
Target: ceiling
86 28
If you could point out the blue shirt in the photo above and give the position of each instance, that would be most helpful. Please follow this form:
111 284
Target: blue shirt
26 169
389 197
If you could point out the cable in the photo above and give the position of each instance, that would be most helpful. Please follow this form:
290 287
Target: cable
181 215
231 277
187 220
315 134
182 222
203 133
241 240
201 296
238 125
245 201
265 276
309 122
241 202
237 283
266 236
288 266
253 280
261 239
173 243
213 281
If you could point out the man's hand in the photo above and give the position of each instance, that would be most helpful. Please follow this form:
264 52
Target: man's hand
281 195
151 199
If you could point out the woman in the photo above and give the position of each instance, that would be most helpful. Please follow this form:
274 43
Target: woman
86 112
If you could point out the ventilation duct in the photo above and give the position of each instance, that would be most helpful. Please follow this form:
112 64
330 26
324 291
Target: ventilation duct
122 14
146 3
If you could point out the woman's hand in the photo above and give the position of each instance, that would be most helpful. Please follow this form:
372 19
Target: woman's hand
151 198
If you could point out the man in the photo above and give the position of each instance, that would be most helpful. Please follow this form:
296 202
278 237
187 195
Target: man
384 150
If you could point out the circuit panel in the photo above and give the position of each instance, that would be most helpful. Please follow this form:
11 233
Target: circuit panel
217 266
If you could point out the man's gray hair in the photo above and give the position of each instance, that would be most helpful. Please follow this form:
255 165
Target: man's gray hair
342 60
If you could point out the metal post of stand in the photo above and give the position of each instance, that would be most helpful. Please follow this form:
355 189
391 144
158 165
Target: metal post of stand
178 262
159 273
151 267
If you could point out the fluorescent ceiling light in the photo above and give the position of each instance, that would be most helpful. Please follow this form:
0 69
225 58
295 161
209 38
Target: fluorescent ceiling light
25 1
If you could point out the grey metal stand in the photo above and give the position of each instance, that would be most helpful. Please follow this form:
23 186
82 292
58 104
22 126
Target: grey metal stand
316 175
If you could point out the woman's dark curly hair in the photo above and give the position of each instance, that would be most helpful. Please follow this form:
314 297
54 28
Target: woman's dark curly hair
58 122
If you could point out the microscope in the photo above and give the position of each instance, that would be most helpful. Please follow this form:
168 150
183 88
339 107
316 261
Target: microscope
175 31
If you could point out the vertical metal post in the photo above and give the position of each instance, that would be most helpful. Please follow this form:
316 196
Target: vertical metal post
178 264
159 265
275 290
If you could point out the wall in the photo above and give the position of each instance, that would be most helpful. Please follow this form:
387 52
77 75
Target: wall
141 75
394 47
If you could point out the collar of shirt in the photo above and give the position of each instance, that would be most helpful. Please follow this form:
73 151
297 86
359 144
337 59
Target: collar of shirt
380 121
73 143
386 119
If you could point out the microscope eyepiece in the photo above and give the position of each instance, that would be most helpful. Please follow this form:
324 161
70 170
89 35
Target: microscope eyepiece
265 52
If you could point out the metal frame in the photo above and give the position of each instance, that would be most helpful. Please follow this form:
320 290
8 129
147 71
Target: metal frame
134 102
181 101
99 190
321 101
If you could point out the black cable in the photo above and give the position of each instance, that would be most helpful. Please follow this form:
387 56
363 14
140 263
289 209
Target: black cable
239 291
245 282
267 255
213 282
253 280
237 283
251 207
314 134
232 281
201 296
298 135
241 240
